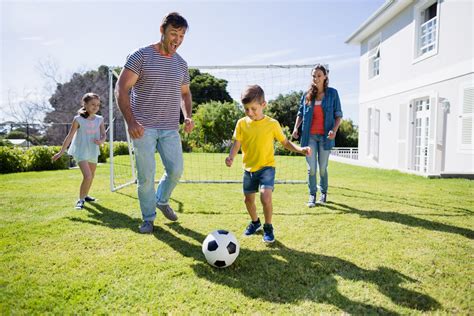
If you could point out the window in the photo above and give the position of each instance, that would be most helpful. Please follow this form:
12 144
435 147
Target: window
427 28
374 57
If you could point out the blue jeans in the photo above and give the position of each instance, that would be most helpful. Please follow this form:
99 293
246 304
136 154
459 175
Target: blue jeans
260 179
320 157
168 144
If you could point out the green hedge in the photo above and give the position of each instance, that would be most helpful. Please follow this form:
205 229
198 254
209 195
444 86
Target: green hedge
12 160
39 158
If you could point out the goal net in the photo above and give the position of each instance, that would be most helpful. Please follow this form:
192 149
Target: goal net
204 167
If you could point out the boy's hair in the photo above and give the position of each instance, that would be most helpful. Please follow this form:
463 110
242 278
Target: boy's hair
86 98
252 93
174 19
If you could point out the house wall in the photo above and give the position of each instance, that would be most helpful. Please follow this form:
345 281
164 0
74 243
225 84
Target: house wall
403 77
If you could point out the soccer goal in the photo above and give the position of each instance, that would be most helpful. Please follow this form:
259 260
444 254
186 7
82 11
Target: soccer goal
200 167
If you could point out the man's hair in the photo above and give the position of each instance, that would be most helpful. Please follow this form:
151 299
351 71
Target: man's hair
175 20
252 93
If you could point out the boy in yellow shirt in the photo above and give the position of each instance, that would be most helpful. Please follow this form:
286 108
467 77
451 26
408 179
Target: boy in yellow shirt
256 133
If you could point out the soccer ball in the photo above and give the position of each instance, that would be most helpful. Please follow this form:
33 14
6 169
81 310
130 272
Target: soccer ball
220 248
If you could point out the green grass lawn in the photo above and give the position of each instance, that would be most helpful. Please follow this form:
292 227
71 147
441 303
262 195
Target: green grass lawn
386 243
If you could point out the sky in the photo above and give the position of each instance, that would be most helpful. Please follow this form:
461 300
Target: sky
76 36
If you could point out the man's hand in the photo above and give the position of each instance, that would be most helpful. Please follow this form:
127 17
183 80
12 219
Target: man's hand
188 125
135 129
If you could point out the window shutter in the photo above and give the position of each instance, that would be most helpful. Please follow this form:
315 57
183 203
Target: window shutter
466 117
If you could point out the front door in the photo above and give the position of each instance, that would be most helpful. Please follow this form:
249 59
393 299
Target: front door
421 133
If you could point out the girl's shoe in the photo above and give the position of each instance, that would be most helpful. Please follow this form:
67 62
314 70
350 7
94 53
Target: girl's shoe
80 204
89 199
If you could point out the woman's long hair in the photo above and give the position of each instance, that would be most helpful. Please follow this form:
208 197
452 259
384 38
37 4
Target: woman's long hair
313 90
86 98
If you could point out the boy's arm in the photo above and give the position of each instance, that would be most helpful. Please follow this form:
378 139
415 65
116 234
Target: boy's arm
234 150
295 148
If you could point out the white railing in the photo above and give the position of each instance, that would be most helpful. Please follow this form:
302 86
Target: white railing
428 35
345 152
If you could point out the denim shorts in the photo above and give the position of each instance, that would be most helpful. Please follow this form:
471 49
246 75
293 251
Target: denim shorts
260 179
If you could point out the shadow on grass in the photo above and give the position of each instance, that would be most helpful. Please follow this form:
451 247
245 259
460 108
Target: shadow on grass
376 196
280 274
283 275
404 219
100 215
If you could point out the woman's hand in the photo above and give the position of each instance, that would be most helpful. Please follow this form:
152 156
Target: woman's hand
331 135
295 134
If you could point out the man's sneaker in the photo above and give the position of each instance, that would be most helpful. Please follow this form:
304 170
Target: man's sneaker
167 212
268 233
253 228
89 199
79 204
322 199
312 200
146 227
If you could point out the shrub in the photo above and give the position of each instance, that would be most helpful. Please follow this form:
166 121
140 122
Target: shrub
11 160
103 152
215 123
120 148
282 151
39 158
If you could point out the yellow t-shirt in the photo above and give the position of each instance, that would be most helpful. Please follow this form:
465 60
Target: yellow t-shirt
257 139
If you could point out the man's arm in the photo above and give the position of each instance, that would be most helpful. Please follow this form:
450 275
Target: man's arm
187 107
126 81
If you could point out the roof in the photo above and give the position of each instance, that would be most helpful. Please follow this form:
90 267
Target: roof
379 18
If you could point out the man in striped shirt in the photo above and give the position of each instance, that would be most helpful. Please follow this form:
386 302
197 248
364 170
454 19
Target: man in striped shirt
152 87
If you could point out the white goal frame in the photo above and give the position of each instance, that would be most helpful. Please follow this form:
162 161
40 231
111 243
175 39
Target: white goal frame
133 178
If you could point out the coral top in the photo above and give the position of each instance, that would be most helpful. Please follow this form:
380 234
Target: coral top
317 123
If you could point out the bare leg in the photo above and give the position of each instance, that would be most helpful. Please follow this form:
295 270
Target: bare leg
87 177
266 199
251 207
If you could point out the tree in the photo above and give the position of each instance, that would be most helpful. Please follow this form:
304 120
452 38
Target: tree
285 108
215 122
66 101
205 88
347 134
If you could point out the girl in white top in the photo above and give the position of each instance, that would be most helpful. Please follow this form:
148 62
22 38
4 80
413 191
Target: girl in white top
86 135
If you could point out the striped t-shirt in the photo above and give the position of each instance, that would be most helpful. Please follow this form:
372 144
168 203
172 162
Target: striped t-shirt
156 96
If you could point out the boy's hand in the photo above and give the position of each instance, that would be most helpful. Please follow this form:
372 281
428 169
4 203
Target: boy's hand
98 141
229 161
306 151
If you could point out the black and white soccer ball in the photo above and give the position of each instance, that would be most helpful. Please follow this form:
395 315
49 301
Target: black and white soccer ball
220 248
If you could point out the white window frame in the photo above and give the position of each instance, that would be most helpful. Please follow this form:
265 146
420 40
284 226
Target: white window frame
418 9
464 148
373 47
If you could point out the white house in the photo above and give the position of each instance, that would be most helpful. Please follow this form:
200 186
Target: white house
416 97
